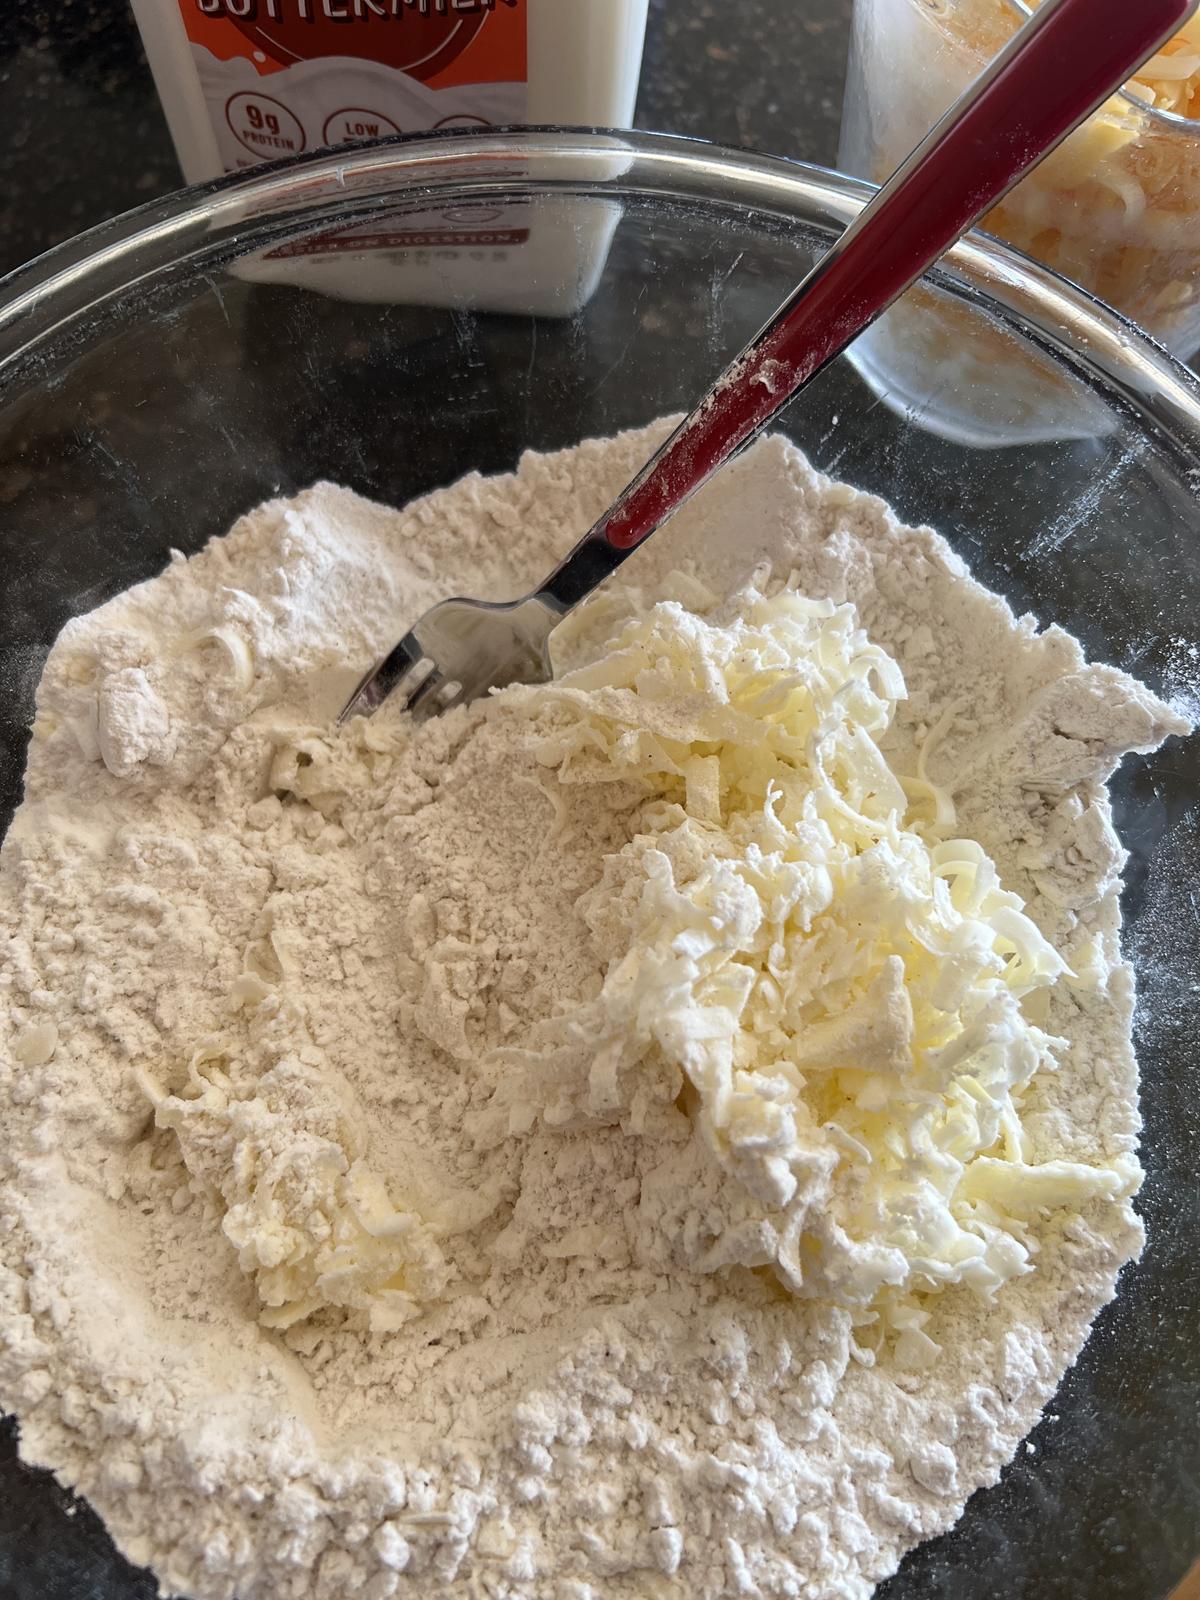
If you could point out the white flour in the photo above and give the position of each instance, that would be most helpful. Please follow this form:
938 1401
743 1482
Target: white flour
506 1395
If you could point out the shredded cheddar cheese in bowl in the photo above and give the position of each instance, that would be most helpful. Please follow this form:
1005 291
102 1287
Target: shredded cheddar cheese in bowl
1116 207
1171 79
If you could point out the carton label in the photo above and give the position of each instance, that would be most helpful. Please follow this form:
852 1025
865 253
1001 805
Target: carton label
284 76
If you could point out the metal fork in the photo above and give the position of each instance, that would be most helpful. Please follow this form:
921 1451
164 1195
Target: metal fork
1061 66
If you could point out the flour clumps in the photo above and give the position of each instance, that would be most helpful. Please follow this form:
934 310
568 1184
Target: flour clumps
541 1154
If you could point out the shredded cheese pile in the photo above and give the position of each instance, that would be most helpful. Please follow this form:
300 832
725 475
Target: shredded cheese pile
1115 206
804 964
1169 81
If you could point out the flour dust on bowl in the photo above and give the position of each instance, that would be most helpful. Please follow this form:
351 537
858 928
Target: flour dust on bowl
664 1132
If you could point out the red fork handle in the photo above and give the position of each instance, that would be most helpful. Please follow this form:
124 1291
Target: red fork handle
1054 73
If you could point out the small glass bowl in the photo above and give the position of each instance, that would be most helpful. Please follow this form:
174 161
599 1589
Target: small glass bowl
1116 208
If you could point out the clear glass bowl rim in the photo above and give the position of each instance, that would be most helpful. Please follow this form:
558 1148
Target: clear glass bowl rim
68 287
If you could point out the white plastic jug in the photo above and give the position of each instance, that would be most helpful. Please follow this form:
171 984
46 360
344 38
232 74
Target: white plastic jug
245 81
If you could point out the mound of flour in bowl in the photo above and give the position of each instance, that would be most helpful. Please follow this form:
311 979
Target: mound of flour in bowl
375 1218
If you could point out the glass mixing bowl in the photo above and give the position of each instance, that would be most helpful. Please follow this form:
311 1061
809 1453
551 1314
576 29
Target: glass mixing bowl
396 315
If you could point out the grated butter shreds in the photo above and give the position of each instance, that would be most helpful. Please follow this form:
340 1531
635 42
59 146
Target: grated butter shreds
838 981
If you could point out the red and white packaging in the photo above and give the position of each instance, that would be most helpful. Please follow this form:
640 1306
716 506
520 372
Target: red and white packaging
245 81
